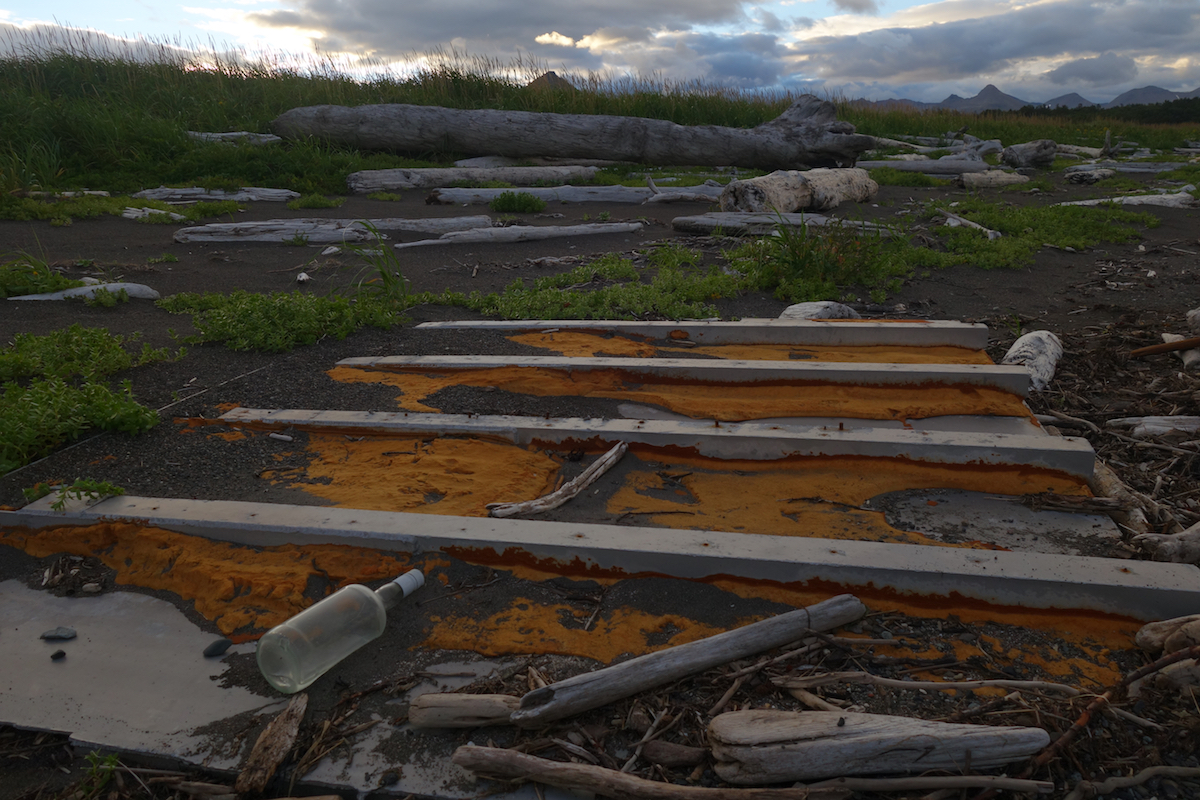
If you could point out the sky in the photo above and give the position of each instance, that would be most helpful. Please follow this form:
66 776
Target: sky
877 49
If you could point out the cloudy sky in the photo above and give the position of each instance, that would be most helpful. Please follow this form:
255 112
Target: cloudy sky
861 48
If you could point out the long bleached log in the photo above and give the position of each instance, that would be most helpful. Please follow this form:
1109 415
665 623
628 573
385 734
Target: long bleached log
196 194
682 194
325 231
1125 166
787 191
808 133
450 710
235 136
1178 200
497 762
990 179
737 222
1078 150
378 180
940 166
566 492
1177 548
594 689
955 221
769 746
562 194
525 233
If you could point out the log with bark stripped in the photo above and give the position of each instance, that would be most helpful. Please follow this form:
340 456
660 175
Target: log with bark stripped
449 710
324 231
564 194
806 134
769 746
526 233
787 191
736 222
379 180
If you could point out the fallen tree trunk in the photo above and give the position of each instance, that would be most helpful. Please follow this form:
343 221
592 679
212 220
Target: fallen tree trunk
768 746
990 179
525 233
735 222
1038 153
195 194
1178 200
806 134
941 166
786 191
324 231
1177 548
234 137
563 194
513 765
594 689
1126 166
378 180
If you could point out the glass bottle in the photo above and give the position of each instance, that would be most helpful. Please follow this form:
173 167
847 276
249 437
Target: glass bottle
295 653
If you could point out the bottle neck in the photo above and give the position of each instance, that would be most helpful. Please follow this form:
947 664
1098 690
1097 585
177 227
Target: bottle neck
395 590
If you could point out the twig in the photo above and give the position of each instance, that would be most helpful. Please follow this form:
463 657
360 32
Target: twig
1166 347
725 698
1083 423
1088 789
568 490
866 677
993 782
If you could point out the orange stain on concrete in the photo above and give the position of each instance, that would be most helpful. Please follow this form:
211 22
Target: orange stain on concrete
727 403
435 476
238 588
814 497
527 627
584 344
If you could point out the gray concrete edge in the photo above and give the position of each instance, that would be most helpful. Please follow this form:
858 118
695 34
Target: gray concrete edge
1143 590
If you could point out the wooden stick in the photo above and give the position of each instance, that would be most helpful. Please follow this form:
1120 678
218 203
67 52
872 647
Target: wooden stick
1089 789
936 782
566 491
273 744
594 689
512 765
866 677
955 220
1166 347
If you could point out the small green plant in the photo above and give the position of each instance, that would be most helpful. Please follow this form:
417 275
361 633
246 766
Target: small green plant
390 197
99 775
516 203
37 491
387 284
299 240
26 274
165 258
604 216
84 489
315 201
890 176
75 351
103 298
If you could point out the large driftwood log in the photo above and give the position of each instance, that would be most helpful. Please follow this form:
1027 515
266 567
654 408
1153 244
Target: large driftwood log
735 222
1126 166
513 765
1038 153
378 180
806 134
324 231
787 191
1178 548
768 746
1178 200
990 179
564 194
594 689
1154 636
1039 352
196 193
940 166
525 233
234 137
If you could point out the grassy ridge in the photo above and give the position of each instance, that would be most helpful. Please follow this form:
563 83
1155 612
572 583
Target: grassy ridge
79 118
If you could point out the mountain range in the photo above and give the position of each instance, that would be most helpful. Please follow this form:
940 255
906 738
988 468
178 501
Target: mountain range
992 99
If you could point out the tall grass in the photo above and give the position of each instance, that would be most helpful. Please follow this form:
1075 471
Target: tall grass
79 114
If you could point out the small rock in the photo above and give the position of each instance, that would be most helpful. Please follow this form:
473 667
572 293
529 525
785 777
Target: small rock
59 633
91 588
885 635
58 655
217 648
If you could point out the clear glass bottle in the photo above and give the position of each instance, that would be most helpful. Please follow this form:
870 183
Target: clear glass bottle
295 653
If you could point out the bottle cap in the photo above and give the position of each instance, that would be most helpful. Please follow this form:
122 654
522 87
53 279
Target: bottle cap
410 581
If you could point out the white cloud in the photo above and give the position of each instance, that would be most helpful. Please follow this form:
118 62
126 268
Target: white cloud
554 37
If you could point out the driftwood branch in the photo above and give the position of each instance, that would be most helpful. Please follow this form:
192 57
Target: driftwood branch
379 180
567 491
273 745
324 231
594 689
812 681
450 710
512 765
568 194
524 233
806 134
954 221
734 222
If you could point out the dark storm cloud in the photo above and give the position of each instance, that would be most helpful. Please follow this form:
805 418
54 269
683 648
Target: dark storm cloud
1103 70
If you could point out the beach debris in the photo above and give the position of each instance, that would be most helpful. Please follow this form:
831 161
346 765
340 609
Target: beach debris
379 180
1146 427
990 179
771 746
525 233
1089 177
272 746
688 194
235 137
741 222
58 655
136 291
450 710
324 231
1039 352
59 634
787 191
1178 548
808 133
566 492
954 221
819 309
1181 199
142 213
563 194
194 194
1038 153
594 689
303 277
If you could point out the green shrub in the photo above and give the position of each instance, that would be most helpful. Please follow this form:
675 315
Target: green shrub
516 203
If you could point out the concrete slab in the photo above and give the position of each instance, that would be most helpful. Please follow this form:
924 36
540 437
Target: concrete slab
1013 379
917 333
1143 590
157 686
744 440
956 516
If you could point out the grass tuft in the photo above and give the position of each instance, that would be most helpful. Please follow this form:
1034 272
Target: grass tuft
516 203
